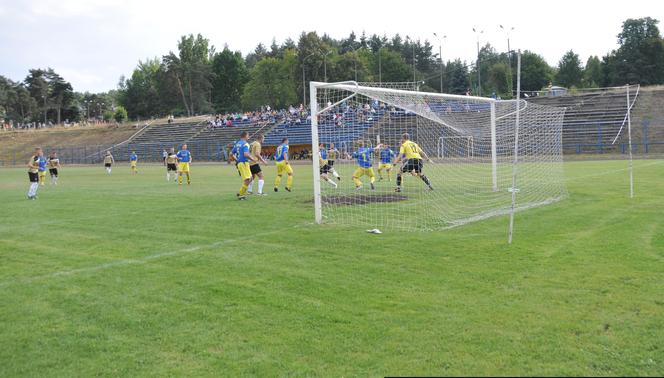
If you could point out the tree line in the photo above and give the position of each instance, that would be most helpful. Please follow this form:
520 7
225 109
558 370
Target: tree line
197 79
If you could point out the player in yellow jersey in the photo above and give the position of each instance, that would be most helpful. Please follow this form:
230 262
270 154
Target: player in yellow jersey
283 166
243 159
254 166
185 159
412 153
133 162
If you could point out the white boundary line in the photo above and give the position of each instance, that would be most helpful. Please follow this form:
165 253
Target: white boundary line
138 261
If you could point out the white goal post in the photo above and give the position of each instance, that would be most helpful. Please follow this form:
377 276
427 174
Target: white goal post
445 191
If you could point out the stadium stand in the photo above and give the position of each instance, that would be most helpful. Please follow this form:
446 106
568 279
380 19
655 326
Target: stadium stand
342 127
593 119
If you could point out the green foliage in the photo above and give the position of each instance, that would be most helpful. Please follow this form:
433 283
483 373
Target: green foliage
640 57
499 80
191 73
456 77
592 73
108 115
272 83
120 114
570 72
140 94
535 72
230 77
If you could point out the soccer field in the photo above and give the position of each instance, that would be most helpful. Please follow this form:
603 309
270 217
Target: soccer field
131 275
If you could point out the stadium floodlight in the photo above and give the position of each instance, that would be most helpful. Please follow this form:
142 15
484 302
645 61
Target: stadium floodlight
472 180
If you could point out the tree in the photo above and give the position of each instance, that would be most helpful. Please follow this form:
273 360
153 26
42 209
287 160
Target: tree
570 72
120 114
592 73
499 78
191 72
231 75
271 83
393 66
640 57
50 90
535 72
456 77
140 94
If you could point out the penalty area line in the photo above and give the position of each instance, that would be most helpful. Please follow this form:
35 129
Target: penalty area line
139 261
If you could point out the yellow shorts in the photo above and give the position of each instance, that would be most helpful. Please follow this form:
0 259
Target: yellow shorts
42 173
282 168
183 167
133 163
384 166
359 172
244 170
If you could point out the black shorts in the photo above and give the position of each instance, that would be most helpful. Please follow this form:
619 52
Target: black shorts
33 176
53 172
255 169
330 163
107 165
412 165
171 167
325 169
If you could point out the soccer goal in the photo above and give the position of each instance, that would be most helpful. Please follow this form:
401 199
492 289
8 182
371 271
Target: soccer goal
470 143
453 147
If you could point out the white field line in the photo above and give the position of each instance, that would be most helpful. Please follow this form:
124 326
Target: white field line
126 262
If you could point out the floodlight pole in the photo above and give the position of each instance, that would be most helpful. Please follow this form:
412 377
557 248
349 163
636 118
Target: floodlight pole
313 108
516 144
629 133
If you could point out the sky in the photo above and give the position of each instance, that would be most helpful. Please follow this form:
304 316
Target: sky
91 43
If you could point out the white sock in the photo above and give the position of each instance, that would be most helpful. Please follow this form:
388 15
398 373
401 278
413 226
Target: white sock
335 174
251 186
33 189
260 186
168 176
331 182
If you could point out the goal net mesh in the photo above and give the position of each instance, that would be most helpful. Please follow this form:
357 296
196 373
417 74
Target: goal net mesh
470 167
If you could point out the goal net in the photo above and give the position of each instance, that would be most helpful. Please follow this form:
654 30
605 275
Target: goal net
470 144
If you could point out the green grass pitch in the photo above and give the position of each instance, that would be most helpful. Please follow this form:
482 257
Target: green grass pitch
130 275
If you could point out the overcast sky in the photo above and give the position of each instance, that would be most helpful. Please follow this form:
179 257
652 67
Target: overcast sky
92 42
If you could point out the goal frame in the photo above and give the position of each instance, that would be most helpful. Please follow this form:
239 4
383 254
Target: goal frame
352 86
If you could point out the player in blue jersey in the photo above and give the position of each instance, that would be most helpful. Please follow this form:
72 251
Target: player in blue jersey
243 154
283 166
185 159
324 165
364 157
133 162
386 157
42 169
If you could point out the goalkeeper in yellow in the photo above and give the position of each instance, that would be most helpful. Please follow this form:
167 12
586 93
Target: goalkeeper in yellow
243 158
412 153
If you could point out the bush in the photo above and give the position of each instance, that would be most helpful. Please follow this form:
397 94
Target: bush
108 115
120 114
